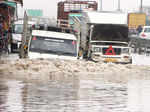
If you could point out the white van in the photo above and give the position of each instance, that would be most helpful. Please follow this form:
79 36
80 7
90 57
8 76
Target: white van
17 31
145 33
50 44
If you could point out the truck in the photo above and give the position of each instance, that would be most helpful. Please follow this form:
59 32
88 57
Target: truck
48 43
64 8
103 36
136 19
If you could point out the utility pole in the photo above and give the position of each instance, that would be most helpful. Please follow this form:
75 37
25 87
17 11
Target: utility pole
118 5
101 5
141 6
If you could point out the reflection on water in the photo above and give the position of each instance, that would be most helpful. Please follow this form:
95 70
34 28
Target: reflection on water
77 96
139 95
11 96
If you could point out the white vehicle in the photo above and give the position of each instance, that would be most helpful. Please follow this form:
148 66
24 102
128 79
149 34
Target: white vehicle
17 31
50 44
145 33
104 35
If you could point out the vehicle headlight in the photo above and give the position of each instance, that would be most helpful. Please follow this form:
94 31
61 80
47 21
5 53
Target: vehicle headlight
125 50
96 49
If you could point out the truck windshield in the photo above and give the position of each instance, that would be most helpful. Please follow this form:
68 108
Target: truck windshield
53 45
18 28
109 32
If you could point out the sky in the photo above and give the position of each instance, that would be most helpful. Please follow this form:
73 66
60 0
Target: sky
49 7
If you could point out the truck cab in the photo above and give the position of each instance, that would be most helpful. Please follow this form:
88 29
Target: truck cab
52 45
110 43
103 36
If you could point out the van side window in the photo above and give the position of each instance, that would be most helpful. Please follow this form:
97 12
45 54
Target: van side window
147 30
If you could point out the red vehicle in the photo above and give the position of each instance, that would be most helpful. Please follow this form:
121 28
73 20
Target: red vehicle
67 7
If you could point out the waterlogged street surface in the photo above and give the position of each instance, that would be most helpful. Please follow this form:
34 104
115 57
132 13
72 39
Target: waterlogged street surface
72 86
77 96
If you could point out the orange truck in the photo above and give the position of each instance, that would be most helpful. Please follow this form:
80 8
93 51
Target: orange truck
136 19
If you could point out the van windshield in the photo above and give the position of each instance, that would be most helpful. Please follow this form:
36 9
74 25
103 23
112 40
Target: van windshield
53 45
18 28
147 30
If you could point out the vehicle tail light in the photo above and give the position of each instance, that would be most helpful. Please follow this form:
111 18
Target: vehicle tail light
34 38
143 35
73 42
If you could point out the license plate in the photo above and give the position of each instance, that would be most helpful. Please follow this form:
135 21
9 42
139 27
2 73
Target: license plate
110 60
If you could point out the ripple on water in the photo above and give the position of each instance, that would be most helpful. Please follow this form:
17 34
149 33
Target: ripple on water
76 96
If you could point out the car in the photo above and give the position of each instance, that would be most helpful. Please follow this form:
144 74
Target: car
145 33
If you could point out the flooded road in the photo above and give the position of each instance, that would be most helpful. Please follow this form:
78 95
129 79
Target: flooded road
78 96
78 86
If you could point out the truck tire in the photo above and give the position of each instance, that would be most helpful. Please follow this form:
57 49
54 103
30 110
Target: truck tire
12 48
130 61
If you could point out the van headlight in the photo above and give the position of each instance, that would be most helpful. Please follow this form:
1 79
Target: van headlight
125 50
96 49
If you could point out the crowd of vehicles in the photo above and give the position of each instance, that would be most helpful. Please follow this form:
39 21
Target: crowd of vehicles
90 34
48 42
93 36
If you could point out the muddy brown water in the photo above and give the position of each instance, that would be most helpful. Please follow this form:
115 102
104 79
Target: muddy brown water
76 96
